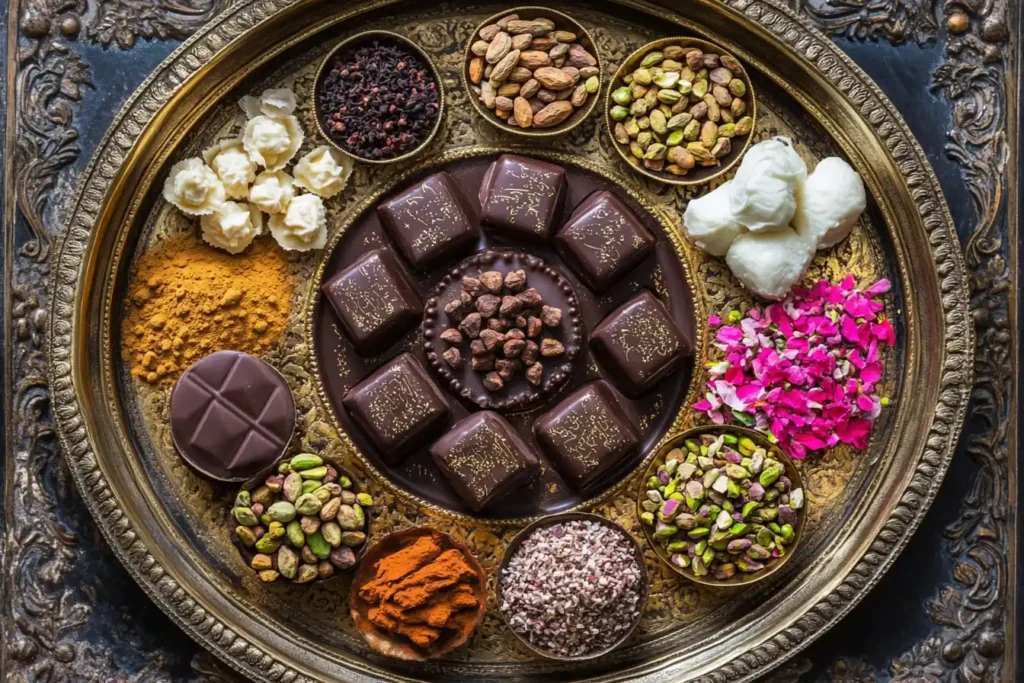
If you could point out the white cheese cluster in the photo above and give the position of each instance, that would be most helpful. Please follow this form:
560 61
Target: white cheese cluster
231 170
771 217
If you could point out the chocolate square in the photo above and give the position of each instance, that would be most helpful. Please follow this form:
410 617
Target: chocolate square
521 198
398 406
587 434
374 301
483 458
603 240
431 222
639 344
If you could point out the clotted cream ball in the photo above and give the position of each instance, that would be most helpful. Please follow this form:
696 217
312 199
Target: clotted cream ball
829 203
770 263
763 192
709 223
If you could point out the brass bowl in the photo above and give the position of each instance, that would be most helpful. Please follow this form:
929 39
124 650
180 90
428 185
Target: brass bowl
563 22
698 174
384 37
387 644
739 579
513 547
247 553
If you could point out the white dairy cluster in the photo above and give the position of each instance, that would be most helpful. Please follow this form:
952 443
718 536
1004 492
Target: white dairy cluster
771 217
251 171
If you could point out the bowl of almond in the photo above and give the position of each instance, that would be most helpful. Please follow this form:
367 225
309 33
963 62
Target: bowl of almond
532 71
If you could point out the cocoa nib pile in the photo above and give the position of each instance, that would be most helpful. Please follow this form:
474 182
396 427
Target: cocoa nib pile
504 323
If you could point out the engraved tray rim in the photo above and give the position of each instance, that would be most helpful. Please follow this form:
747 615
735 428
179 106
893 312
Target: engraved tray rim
861 120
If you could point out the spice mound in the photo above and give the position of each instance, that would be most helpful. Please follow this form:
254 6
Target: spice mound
723 505
187 299
573 589
303 523
378 101
421 591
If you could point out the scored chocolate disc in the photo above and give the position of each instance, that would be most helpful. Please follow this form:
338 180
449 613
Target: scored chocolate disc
232 416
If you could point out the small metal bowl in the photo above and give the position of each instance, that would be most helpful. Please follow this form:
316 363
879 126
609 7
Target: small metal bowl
387 644
563 22
698 174
384 37
513 547
247 553
739 579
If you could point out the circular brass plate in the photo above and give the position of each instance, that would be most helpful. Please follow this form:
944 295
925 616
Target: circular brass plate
168 529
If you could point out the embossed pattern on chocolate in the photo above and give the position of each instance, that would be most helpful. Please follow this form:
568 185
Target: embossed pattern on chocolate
521 198
603 240
374 301
639 344
483 458
587 434
232 416
398 406
431 222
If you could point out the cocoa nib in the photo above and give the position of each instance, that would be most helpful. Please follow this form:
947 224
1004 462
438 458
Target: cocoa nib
520 321
454 308
510 305
551 316
477 347
493 381
533 327
472 286
452 336
530 297
482 363
507 368
530 352
516 280
497 324
492 281
513 348
470 326
488 305
551 347
515 334
492 339
453 358
534 373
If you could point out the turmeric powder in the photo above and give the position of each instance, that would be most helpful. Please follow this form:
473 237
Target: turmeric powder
421 591
187 300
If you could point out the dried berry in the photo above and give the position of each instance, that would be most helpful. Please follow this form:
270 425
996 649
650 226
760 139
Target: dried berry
379 101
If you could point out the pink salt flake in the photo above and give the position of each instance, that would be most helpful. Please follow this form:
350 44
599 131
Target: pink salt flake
805 368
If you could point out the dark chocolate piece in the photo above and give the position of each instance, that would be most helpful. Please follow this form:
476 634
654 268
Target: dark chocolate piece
374 301
232 416
521 198
398 406
483 458
603 240
587 434
431 222
639 344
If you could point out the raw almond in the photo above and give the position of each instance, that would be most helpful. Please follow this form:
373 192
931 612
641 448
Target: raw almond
488 32
476 70
543 43
502 103
534 59
479 48
579 95
572 72
499 47
509 90
503 22
536 27
523 112
553 114
579 57
521 42
530 88
503 68
564 36
552 78
520 74
545 95
560 50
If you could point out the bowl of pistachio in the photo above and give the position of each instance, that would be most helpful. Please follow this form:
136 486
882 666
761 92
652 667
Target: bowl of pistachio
722 505
681 110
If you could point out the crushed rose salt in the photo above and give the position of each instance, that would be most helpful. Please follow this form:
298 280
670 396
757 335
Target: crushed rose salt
806 369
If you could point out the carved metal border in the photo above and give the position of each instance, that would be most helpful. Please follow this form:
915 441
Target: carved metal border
984 35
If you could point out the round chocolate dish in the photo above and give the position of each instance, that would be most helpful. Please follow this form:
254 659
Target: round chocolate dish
502 330
503 336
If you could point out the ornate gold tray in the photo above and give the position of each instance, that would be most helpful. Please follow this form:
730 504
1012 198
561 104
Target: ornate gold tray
168 526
